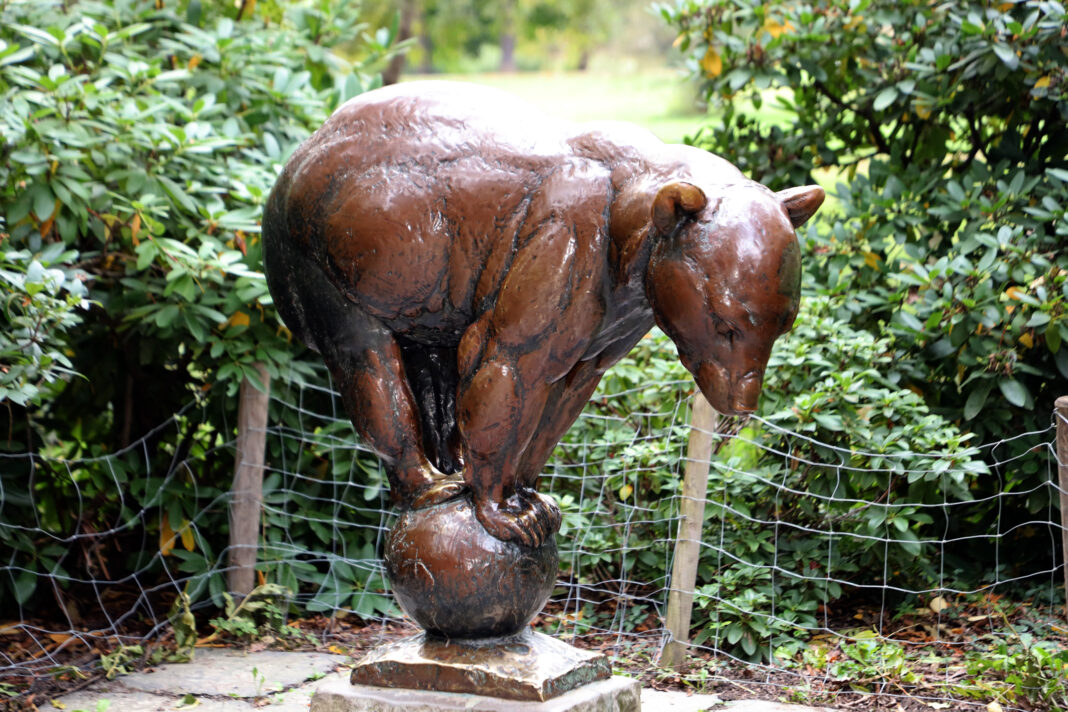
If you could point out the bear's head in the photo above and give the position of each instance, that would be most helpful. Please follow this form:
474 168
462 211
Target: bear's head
724 280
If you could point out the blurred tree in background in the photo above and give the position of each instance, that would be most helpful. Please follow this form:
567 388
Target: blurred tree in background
504 35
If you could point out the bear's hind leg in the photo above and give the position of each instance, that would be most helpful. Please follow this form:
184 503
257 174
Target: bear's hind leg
379 401
367 365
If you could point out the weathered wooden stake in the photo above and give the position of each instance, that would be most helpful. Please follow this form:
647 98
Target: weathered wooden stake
247 492
703 425
1061 410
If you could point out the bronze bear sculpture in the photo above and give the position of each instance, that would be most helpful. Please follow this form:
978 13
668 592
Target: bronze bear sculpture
469 268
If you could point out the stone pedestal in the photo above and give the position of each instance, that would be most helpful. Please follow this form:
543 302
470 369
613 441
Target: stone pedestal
528 666
616 694
527 672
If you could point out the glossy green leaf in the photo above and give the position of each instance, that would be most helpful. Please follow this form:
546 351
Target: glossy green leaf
977 398
1006 55
885 98
178 194
1014 391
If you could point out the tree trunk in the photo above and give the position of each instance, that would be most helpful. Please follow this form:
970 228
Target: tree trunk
404 32
508 29
508 53
584 60
427 42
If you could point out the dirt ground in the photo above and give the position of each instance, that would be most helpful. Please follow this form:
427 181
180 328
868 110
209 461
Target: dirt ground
728 680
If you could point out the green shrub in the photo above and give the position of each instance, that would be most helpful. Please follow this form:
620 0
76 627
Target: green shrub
828 491
949 235
139 141
144 142
42 300
943 128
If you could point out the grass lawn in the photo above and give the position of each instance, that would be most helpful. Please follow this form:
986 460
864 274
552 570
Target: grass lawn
661 100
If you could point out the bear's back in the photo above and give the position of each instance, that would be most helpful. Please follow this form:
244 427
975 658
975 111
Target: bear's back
433 123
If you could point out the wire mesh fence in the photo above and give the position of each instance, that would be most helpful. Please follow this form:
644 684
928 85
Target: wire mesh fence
817 562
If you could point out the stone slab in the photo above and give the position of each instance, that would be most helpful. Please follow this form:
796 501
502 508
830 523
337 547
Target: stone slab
296 699
616 694
116 698
529 666
762 706
674 701
229 673
121 696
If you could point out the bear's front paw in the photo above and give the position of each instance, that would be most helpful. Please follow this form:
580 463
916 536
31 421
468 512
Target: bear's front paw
527 518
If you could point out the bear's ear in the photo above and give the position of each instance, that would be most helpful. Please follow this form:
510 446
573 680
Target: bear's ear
674 201
801 203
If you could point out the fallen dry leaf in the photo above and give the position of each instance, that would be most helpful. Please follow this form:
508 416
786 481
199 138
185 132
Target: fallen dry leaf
938 604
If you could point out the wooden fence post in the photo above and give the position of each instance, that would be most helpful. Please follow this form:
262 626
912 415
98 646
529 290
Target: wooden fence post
1061 415
703 425
247 493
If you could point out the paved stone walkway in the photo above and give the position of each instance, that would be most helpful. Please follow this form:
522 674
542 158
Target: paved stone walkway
223 680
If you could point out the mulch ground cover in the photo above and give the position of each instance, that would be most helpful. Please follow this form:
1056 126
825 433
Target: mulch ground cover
42 665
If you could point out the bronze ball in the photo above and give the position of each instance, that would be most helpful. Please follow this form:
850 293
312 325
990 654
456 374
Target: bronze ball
458 581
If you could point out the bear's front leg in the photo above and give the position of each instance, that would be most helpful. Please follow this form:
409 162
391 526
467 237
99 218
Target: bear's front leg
497 415
509 362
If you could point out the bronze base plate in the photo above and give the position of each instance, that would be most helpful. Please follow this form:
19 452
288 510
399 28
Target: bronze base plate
527 666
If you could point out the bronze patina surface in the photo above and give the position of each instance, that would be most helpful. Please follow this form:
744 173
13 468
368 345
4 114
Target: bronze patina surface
528 666
469 268
458 581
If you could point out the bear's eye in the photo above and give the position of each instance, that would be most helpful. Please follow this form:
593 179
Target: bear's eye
726 330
